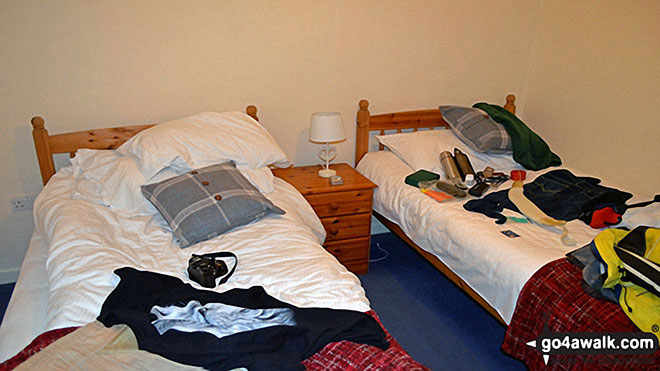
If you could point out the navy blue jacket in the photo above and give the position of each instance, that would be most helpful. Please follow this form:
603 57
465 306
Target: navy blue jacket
558 193
270 348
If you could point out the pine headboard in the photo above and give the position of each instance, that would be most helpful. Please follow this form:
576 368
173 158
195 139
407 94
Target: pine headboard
429 118
109 138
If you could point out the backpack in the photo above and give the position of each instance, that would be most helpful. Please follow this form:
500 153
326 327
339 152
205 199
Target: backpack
632 263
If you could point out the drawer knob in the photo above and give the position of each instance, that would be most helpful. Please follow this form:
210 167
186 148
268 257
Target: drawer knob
334 207
335 221
333 231
336 250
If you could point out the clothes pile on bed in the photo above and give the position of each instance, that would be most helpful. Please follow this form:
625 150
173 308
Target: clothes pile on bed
238 328
120 227
340 355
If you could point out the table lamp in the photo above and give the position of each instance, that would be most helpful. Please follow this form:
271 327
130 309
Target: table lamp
327 127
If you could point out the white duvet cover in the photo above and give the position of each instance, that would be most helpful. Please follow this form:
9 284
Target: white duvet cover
469 243
85 242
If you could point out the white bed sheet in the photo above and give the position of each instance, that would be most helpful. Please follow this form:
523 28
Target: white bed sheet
25 316
67 272
469 243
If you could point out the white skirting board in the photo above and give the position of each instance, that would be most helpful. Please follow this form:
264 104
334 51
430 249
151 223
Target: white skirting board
377 227
8 275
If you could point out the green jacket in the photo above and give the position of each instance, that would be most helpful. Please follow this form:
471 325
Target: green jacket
529 149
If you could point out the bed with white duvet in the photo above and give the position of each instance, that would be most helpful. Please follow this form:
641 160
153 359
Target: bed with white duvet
470 244
90 219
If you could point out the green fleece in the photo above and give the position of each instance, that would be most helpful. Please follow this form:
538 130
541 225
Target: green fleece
529 149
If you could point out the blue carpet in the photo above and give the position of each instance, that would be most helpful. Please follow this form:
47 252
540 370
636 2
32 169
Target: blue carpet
5 294
432 319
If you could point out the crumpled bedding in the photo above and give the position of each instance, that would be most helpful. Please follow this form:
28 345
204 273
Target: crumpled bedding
470 244
88 241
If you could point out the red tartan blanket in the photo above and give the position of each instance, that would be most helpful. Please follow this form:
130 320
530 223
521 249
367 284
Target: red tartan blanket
556 290
343 355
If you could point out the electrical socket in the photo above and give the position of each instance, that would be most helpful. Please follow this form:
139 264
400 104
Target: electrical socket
23 202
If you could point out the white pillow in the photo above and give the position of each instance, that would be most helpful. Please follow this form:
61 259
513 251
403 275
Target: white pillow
421 150
91 159
262 177
117 179
201 140
106 177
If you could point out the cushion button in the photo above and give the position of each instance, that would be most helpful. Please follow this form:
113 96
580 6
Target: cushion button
218 197
194 172
205 183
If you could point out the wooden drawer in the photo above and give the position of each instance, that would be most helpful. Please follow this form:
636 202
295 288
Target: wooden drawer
341 203
357 266
347 226
348 250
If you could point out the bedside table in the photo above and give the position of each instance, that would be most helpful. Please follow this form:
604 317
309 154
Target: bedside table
344 210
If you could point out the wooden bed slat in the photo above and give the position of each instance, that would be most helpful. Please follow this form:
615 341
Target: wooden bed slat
108 138
407 120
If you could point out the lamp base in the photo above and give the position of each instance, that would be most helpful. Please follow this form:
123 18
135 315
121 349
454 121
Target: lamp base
327 173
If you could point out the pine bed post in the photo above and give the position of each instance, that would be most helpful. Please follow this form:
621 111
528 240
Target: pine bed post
252 112
510 103
362 131
45 158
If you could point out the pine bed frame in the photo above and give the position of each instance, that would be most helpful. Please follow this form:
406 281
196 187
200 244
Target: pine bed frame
398 121
109 138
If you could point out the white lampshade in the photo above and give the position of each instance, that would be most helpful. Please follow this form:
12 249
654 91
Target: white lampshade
326 127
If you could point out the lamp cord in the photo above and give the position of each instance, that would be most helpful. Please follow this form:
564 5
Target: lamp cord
387 253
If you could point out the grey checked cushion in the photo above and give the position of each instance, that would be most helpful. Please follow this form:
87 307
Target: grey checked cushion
481 133
207 202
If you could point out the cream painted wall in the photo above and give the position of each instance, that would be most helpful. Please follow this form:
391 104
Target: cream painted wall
594 88
86 64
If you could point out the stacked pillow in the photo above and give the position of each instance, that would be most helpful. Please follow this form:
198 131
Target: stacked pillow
477 129
202 140
108 178
207 202
164 157
489 135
